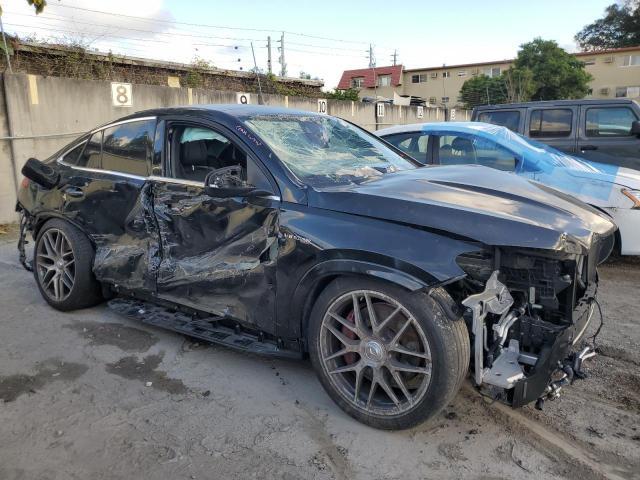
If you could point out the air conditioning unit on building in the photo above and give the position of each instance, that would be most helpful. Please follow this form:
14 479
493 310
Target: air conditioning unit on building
434 75
608 59
604 91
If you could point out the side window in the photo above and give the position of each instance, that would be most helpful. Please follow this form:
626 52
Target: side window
490 154
197 151
127 147
90 157
72 156
456 150
609 122
551 123
414 144
509 119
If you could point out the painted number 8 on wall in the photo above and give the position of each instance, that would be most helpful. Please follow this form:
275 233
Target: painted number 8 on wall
121 94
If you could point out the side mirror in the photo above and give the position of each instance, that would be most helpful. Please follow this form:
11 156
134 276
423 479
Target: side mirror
41 173
227 183
635 128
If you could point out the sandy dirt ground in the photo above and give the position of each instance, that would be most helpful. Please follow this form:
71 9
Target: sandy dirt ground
91 394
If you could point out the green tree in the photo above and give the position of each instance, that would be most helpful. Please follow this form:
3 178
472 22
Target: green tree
38 5
350 94
519 84
555 73
483 90
619 27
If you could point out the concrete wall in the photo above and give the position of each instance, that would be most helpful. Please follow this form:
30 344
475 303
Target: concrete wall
46 113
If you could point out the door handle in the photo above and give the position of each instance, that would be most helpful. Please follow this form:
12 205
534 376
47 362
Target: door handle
74 192
588 147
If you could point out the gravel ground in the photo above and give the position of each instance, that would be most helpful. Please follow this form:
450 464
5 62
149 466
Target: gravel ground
91 394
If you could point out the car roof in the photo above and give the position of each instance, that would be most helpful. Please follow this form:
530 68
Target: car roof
232 110
553 103
434 127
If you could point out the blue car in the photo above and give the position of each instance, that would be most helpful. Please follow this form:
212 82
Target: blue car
609 188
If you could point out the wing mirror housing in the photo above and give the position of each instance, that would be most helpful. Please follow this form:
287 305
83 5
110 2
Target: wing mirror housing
635 128
41 173
227 183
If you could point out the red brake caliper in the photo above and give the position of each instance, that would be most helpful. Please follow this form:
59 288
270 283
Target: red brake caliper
350 357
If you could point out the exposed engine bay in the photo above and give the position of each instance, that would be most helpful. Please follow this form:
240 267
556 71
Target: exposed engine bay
526 311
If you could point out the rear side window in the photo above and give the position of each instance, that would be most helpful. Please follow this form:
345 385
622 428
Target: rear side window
72 156
90 157
509 119
551 123
127 147
414 144
492 155
456 150
609 122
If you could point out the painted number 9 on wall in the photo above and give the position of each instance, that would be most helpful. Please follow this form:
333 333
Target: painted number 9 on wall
121 94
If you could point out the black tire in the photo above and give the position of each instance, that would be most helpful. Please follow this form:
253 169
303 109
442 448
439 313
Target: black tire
86 290
448 344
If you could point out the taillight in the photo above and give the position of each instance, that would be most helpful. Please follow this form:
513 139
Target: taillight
24 183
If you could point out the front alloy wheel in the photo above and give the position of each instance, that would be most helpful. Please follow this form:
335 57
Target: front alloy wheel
375 353
388 357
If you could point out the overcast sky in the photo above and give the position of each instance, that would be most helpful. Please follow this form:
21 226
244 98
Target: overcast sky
321 38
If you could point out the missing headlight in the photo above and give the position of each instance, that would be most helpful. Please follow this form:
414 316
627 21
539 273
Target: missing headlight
478 265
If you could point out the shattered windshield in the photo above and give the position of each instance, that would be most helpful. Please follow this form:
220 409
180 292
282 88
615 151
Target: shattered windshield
322 150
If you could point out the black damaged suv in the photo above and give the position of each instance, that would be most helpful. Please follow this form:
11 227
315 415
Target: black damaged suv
290 233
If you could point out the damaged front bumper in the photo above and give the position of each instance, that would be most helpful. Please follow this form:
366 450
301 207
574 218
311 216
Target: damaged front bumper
505 371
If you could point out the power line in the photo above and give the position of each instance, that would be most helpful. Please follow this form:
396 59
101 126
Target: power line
179 33
190 35
174 22
167 42
110 35
321 53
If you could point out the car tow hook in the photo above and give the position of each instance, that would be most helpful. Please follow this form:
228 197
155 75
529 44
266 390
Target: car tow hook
571 370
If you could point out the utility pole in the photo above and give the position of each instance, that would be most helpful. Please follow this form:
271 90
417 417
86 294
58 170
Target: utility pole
283 64
269 54
6 48
395 57
255 67
372 59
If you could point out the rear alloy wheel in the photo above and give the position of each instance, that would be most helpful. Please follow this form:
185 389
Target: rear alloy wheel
388 357
63 261
55 264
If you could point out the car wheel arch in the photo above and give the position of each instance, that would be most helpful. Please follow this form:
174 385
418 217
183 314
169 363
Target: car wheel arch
41 219
318 277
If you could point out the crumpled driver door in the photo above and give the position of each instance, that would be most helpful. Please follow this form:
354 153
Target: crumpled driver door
218 254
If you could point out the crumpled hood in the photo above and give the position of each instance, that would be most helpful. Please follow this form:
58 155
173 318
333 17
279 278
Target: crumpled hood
474 202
